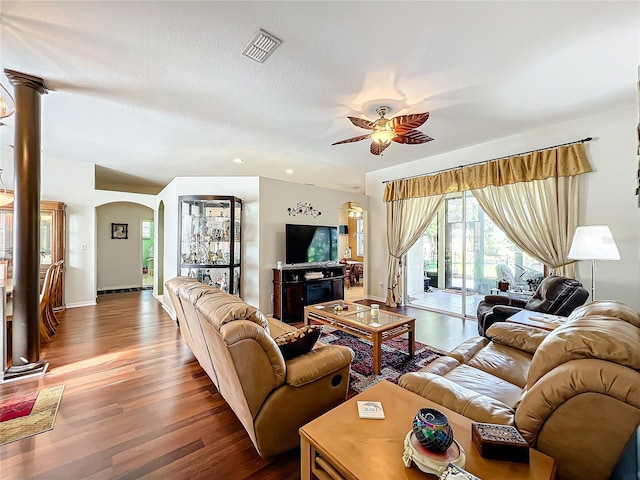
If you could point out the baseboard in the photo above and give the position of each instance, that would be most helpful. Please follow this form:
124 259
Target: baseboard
123 290
170 312
377 299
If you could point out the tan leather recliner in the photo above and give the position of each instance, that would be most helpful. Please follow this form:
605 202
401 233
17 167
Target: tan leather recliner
573 393
234 343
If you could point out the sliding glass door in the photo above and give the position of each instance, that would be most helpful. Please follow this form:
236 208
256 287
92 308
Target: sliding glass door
460 258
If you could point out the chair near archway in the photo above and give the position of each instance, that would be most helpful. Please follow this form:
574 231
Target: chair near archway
48 320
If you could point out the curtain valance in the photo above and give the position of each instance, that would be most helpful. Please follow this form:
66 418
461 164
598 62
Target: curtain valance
562 161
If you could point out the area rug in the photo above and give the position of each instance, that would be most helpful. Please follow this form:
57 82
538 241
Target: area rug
395 358
25 415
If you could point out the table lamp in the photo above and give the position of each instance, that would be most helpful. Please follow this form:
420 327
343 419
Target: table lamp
593 242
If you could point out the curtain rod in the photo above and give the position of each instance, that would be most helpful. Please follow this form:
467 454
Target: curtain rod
587 139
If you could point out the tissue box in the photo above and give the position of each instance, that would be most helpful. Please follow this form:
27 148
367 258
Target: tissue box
499 442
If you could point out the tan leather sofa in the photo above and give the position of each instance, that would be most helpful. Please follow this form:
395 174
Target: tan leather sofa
234 343
573 393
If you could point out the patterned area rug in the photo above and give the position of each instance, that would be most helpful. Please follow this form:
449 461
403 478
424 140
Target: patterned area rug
25 415
395 358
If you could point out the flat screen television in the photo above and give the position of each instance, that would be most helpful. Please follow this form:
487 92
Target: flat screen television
311 243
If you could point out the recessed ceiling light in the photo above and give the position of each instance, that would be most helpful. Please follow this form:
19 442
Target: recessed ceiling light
237 160
289 171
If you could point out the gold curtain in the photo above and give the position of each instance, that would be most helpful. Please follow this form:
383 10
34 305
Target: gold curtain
406 221
539 217
532 197
564 161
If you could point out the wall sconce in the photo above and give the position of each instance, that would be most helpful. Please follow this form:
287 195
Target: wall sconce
7 104
5 197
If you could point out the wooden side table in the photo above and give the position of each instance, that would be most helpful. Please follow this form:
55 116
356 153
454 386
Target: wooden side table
340 445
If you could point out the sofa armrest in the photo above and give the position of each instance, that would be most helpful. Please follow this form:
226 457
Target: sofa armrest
515 335
468 403
497 299
506 310
317 363
467 349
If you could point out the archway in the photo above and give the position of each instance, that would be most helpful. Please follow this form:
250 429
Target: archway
160 251
119 242
351 245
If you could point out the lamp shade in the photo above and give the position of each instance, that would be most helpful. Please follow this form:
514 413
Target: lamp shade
593 242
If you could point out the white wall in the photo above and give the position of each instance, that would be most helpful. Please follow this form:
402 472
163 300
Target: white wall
265 204
607 193
245 188
276 197
73 183
119 261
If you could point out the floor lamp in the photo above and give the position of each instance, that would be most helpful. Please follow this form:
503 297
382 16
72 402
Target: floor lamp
593 242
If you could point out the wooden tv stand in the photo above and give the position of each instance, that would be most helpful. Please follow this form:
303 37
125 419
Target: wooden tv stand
294 287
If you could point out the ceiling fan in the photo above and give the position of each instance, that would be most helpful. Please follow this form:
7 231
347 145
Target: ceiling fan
400 129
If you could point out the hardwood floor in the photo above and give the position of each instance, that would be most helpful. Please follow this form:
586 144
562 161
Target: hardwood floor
438 330
137 404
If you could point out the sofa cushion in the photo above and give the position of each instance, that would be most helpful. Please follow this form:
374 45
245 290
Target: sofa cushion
298 342
515 335
475 380
608 308
605 338
277 328
458 398
485 384
467 349
506 363
223 308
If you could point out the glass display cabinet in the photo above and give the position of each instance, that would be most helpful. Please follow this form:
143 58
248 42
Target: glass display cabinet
209 247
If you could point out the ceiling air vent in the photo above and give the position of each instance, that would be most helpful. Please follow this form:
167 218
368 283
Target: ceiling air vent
262 45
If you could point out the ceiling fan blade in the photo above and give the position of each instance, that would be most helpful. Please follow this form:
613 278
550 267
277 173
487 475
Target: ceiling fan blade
361 122
404 123
354 139
412 137
378 148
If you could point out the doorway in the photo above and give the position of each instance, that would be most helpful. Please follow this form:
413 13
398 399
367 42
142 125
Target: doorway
351 249
460 258
148 249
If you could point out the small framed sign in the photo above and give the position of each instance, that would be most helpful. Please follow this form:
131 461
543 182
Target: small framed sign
120 231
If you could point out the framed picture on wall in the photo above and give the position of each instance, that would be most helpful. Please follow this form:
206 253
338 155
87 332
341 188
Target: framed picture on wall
119 231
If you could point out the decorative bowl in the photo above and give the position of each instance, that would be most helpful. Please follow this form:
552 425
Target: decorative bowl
432 429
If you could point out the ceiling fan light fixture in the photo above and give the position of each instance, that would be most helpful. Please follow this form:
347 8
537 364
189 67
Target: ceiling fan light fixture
383 132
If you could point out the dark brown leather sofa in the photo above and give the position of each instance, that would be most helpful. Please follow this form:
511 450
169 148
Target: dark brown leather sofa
555 295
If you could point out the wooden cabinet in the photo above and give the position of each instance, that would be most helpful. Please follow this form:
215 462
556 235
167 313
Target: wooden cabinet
293 288
52 241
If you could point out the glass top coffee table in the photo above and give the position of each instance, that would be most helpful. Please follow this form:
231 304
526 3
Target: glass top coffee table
356 320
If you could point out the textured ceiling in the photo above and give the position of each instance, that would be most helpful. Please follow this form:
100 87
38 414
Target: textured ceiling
156 90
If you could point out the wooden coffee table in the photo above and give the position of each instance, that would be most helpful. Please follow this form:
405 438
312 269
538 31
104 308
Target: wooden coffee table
340 445
356 320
